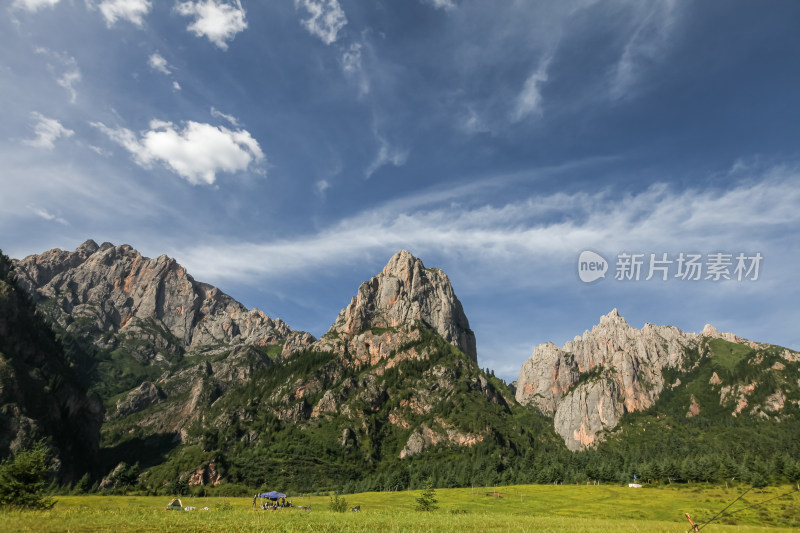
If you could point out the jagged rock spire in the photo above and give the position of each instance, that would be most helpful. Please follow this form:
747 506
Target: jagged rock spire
406 292
626 364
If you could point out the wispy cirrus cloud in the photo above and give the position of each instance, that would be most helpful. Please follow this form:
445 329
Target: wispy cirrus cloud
648 39
65 69
521 235
197 153
446 5
326 18
354 69
529 100
216 113
47 215
388 154
320 187
47 131
218 21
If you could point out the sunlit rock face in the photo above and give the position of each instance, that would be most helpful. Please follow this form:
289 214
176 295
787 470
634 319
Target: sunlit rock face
114 289
590 382
384 313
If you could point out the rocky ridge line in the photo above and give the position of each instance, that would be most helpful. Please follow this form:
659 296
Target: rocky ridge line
592 381
97 290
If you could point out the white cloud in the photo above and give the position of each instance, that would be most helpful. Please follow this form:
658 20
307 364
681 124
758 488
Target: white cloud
47 131
326 18
529 101
45 214
532 234
157 62
196 153
353 69
230 118
33 5
218 21
387 155
176 85
446 5
130 10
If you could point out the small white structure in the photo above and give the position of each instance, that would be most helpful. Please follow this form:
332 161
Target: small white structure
634 485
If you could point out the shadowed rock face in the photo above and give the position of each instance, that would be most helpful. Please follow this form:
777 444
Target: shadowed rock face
40 394
593 380
404 293
115 289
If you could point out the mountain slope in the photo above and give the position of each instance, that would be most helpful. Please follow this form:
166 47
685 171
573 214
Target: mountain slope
133 318
590 384
200 391
40 396
155 344
386 390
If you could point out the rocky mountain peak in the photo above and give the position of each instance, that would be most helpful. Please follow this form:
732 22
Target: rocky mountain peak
613 317
108 288
404 293
589 383
401 262
87 248
713 333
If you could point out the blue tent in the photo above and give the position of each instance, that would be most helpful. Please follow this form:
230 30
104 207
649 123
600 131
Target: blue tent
274 495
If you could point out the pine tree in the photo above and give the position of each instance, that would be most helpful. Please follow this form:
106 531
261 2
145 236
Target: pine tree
427 500
24 479
83 485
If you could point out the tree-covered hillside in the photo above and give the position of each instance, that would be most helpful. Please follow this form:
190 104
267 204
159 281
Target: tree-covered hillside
40 394
201 394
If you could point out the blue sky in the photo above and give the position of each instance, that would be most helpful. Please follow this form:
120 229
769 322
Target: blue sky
284 150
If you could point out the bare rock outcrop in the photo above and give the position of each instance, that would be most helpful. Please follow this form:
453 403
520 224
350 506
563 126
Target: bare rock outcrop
207 475
113 293
439 432
378 318
297 341
138 399
589 383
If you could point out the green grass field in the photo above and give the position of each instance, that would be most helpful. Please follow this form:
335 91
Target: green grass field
518 508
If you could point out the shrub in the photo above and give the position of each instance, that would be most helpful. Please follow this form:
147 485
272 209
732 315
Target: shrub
226 506
338 504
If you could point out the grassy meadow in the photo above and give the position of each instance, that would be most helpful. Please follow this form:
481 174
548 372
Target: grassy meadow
605 508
